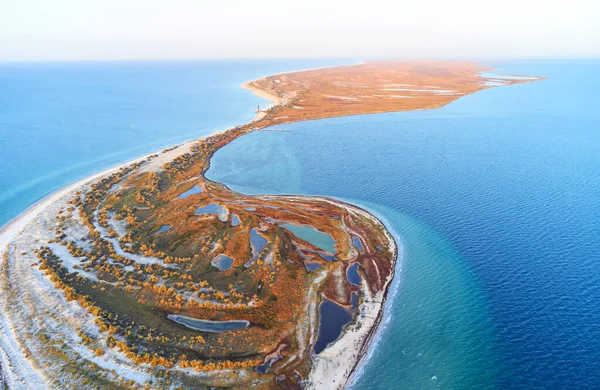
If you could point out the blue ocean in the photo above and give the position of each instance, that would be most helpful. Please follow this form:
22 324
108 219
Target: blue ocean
61 122
494 199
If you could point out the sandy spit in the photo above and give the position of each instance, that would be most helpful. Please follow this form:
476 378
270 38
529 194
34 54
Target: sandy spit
334 366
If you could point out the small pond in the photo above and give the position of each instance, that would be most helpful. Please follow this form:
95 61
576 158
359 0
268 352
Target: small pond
433 91
258 243
352 274
327 257
213 208
495 79
235 220
222 262
311 266
492 75
332 319
207 325
354 300
357 243
163 229
192 191
271 359
312 235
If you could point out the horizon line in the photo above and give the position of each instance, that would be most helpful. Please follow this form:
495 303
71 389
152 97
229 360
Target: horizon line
292 58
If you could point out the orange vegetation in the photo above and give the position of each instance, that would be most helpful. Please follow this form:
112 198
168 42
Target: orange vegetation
271 288
369 88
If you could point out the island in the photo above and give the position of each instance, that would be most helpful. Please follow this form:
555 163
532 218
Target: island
149 275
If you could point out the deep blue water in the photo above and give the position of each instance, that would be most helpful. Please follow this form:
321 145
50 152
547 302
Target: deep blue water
61 122
496 201
495 198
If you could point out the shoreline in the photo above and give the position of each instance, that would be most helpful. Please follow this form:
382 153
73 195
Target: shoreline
275 101
55 195
97 175
368 343
354 343
13 229
366 339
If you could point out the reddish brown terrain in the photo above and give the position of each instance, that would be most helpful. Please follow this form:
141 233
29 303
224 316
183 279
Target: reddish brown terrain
369 88
141 250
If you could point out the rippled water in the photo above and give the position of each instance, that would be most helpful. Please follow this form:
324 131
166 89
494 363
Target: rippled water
495 199
61 122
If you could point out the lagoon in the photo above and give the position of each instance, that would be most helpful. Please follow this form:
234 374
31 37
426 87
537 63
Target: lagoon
352 274
257 243
64 121
222 262
162 229
212 208
494 199
308 233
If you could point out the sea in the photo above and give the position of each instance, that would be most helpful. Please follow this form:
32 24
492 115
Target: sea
494 199
61 122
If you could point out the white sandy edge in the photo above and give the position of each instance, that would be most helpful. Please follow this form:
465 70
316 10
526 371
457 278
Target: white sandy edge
276 100
15 370
262 94
334 366
12 229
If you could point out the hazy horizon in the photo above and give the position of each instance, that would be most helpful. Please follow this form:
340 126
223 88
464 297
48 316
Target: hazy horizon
68 30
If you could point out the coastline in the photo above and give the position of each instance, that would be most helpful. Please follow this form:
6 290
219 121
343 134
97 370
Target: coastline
276 101
337 370
372 338
331 365
340 360
32 211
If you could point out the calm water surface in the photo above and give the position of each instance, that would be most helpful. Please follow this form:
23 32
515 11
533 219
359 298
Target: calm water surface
312 235
494 198
496 201
61 122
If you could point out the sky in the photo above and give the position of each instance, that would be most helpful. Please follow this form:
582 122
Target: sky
49 30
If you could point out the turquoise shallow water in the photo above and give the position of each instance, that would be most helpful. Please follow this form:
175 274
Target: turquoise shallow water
61 122
495 199
308 233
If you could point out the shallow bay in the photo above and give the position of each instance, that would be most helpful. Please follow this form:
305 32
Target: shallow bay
61 122
495 200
